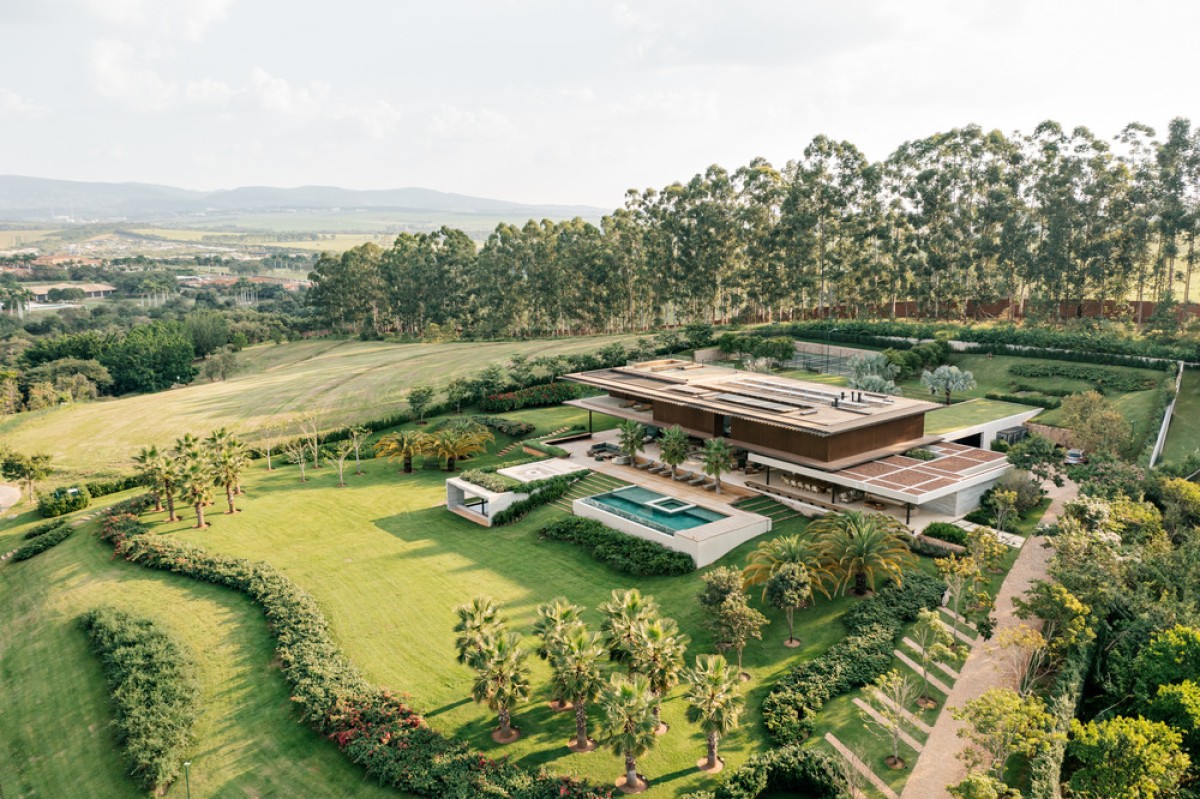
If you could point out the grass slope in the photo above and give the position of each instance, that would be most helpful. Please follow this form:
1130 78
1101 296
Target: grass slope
343 380
1184 436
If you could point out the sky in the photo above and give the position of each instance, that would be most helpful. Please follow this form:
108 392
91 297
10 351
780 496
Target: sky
553 101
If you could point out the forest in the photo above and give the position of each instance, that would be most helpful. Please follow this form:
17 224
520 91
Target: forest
1051 219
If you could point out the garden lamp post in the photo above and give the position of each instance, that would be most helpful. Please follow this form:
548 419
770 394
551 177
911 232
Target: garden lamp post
828 335
187 777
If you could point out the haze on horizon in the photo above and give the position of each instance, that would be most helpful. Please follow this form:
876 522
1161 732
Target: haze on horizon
539 101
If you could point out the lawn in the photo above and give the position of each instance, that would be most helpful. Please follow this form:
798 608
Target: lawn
388 567
343 380
1184 436
970 413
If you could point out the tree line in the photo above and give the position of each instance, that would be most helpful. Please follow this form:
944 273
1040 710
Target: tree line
1054 216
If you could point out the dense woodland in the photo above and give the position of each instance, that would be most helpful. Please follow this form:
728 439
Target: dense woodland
1051 217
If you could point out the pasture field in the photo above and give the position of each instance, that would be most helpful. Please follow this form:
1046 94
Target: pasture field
342 381
10 239
335 242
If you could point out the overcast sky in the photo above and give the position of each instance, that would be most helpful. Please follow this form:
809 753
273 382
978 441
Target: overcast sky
554 100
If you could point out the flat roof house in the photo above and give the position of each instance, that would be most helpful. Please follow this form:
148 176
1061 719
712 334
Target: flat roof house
815 443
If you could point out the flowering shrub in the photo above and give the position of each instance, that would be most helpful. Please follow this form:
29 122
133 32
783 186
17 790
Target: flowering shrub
532 397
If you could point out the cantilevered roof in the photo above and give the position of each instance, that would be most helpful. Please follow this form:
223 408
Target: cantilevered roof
779 401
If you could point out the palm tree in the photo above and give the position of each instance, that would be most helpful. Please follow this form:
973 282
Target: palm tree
624 615
717 457
154 469
458 441
629 722
556 620
660 656
576 676
946 380
405 445
768 556
502 680
219 441
478 620
632 434
228 461
858 547
196 482
673 447
713 701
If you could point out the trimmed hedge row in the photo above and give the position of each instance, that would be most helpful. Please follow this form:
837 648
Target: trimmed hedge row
375 729
620 552
508 427
804 772
43 528
852 662
47 540
101 488
532 397
154 690
541 492
944 531
1103 379
488 480
1049 403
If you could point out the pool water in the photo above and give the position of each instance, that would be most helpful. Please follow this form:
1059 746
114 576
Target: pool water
657 509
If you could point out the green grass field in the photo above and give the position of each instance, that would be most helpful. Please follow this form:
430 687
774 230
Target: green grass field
344 381
1183 439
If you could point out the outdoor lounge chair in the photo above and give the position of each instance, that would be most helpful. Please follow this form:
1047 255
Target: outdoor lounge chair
684 475
659 468
710 485
643 465
697 481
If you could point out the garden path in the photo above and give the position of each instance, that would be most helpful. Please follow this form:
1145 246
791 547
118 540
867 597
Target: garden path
939 765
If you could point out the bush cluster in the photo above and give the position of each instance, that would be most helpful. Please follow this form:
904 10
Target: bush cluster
1045 770
790 769
944 531
620 552
63 500
546 449
155 695
100 488
43 541
865 653
541 492
1036 400
508 427
492 482
532 397
1105 380
377 731
43 528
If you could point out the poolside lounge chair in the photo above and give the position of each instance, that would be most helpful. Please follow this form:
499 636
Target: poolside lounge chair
659 468
684 475
710 485
697 480
643 465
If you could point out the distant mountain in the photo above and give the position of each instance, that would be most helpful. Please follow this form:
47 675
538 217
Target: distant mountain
28 198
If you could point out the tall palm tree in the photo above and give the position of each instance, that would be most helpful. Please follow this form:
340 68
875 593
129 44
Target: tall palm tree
660 656
673 447
196 484
859 547
629 721
155 470
713 701
221 441
478 620
404 445
576 677
556 619
502 679
624 615
228 464
717 457
631 436
946 380
768 556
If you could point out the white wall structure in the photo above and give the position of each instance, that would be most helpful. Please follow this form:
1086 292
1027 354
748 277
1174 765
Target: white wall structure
476 502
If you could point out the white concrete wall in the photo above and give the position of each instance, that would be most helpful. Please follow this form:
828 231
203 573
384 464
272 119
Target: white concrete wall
457 491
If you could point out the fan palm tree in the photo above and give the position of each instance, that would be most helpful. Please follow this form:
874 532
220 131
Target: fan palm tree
502 679
713 701
156 472
228 464
768 556
478 620
660 656
404 445
716 457
631 436
624 615
196 484
673 447
556 619
576 676
220 441
629 722
947 379
859 547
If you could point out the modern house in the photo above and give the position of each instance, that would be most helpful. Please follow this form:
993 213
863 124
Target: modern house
811 442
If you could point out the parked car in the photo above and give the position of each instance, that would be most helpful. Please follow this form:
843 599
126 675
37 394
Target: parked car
1075 457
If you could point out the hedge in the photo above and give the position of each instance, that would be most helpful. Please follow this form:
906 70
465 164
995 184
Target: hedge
375 729
620 552
541 492
43 528
62 500
546 449
509 427
803 772
944 531
155 695
532 397
1103 379
1049 403
1045 770
41 543
100 488
492 482
852 662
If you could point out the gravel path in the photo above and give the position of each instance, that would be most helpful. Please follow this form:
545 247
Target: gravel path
939 765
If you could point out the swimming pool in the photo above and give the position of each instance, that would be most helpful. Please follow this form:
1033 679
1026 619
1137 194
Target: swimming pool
654 510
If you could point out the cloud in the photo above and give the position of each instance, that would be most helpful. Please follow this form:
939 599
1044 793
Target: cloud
14 106
190 19
315 100
209 92
452 122
116 74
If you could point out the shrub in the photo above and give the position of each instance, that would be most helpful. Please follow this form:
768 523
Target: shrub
508 427
1105 380
43 528
532 397
100 488
852 662
944 531
1037 401
802 772
980 515
62 500
47 540
546 449
921 454
154 692
620 552
492 482
541 492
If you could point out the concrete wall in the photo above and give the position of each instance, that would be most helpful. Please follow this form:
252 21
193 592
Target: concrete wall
961 502
458 490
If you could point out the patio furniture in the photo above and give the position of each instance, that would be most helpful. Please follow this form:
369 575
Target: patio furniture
684 475
644 465
697 481
710 485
